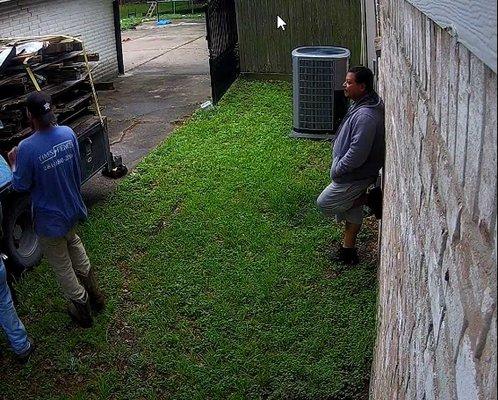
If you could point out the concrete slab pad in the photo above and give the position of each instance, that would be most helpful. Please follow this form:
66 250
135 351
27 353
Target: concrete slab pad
139 49
182 61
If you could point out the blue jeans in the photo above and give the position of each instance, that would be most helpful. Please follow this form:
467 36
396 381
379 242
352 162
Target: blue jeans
10 322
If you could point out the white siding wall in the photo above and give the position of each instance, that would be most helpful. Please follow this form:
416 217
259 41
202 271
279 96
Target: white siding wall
91 19
472 22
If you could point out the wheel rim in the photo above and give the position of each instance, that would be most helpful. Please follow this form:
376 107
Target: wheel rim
24 236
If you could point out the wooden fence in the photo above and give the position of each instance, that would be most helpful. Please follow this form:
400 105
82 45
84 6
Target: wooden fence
264 49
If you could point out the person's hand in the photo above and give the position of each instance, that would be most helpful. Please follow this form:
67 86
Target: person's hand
12 157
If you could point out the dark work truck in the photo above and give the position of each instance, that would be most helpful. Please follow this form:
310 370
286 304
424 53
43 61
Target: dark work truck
20 242
60 66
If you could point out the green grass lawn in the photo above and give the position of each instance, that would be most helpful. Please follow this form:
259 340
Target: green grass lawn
133 15
214 259
130 23
180 7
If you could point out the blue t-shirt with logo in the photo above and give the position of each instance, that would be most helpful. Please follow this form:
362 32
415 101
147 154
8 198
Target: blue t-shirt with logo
48 168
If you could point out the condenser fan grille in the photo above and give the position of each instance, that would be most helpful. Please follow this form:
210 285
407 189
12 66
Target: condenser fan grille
318 75
316 94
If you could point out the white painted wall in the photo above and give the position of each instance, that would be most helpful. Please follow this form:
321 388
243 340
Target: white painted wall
472 22
369 33
91 19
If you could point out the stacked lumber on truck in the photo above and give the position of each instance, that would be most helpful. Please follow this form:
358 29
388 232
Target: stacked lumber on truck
57 65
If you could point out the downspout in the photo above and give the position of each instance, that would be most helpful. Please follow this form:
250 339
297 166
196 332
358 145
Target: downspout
363 52
117 35
368 33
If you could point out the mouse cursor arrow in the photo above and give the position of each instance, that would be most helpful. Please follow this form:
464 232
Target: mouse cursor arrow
281 23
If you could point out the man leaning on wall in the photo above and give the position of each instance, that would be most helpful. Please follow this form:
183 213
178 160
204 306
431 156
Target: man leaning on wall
358 156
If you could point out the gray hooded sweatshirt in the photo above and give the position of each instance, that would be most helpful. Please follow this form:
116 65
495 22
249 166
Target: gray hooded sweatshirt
359 149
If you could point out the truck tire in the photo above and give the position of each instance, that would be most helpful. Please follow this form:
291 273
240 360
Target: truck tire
20 242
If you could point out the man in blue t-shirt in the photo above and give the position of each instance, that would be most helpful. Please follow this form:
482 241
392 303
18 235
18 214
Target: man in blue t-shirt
46 165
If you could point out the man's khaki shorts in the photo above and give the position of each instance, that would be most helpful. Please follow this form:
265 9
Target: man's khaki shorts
337 200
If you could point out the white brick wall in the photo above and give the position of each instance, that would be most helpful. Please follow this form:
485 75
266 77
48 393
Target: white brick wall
437 298
92 20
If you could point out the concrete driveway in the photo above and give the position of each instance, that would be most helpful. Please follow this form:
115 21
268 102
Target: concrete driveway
167 78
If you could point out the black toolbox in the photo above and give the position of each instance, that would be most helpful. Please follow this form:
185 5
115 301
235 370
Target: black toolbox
94 145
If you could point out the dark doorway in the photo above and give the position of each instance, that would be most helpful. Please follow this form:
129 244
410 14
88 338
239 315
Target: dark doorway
222 39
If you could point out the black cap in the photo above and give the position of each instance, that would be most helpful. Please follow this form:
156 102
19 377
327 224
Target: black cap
40 107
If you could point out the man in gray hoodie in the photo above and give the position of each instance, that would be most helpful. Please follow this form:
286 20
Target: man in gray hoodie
358 156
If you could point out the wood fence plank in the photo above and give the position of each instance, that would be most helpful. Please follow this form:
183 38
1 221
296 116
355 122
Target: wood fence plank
266 49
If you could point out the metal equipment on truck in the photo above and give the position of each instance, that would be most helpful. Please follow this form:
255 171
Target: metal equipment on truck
61 67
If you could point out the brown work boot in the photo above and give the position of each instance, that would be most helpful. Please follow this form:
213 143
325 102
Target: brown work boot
97 299
80 312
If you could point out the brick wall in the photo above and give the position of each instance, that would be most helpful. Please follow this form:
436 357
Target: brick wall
437 295
92 19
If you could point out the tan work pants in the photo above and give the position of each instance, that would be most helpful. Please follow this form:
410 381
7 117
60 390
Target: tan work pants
67 256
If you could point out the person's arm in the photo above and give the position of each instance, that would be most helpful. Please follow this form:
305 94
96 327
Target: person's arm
22 179
364 130
12 157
